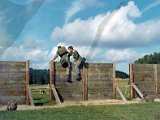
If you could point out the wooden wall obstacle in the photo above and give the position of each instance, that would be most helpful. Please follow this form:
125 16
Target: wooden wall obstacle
146 77
97 82
14 78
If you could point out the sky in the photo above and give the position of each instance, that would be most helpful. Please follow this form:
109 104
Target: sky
105 31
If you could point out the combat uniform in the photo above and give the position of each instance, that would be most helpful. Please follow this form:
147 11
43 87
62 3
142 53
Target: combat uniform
65 60
78 64
63 53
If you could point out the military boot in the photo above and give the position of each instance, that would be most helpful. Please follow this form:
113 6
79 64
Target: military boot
78 77
69 79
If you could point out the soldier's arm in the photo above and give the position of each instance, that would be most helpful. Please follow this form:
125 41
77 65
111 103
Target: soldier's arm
76 55
69 54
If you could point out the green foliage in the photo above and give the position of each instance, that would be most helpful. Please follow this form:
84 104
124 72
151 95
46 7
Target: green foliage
150 59
120 74
148 111
40 94
39 76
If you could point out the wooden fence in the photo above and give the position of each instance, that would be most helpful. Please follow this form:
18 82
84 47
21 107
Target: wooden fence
97 82
146 77
14 78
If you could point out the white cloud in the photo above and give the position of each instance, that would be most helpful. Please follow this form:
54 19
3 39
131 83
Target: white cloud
120 32
37 52
79 5
31 49
125 55
12 25
6 39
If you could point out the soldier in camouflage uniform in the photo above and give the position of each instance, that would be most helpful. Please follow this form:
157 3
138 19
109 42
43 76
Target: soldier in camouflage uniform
65 60
78 61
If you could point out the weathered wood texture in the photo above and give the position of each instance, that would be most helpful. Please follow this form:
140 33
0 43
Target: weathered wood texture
100 81
97 82
147 78
13 82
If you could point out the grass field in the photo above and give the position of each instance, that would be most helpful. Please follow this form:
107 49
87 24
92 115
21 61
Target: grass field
147 111
39 96
125 88
143 111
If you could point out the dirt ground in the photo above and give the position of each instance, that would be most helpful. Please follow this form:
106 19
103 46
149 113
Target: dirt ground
76 103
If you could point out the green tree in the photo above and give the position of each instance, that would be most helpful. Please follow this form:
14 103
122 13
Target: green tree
149 59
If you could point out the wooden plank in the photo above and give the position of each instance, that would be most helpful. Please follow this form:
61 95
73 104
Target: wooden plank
100 65
137 90
27 81
55 94
14 81
14 75
144 79
100 86
102 70
30 96
155 78
19 99
120 93
144 67
131 80
85 84
12 93
12 64
13 70
144 74
16 88
101 91
51 79
105 95
101 76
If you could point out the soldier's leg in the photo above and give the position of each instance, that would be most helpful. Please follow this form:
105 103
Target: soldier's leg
78 72
68 69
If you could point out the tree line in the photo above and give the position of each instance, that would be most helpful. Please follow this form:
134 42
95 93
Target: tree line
41 76
149 59
120 74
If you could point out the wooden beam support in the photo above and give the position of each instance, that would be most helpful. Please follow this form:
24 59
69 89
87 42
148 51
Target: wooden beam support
51 78
137 90
114 81
155 79
27 82
30 96
85 83
131 80
55 94
120 93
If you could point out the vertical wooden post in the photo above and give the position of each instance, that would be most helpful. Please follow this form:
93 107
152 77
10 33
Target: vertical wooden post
155 78
114 81
51 79
131 80
27 82
85 83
